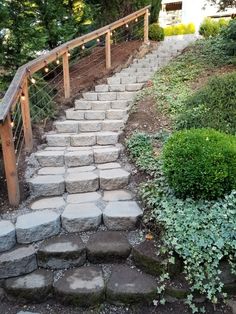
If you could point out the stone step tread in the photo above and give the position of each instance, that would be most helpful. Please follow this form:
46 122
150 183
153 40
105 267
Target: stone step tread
101 105
110 114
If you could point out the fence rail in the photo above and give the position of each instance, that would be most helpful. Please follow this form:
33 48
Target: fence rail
18 93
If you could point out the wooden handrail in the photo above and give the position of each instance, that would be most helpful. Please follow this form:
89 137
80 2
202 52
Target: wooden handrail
18 89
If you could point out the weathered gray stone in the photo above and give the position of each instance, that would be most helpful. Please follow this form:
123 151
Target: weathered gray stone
126 95
58 140
117 195
47 185
19 261
100 105
72 114
120 104
143 78
90 126
7 235
128 286
107 138
101 88
67 126
62 252
107 247
48 203
123 215
112 125
78 158
110 165
134 87
81 104
80 169
104 155
51 171
114 179
83 198
113 80
91 96
116 114
82 182
81 287
50 158
95 115
81 217
128 80
27 312
117 88
35 287
85 139
37 226
107 96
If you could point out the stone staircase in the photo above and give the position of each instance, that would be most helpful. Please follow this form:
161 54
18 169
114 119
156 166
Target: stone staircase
80 187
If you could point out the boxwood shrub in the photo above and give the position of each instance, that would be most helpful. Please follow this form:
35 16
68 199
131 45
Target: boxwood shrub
200 163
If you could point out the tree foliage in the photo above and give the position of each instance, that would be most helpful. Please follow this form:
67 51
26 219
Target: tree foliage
223 4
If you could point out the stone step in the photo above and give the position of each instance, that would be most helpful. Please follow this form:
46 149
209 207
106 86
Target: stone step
18 261
129 286
123 215
108 247
62 252
114 179
81 217
7 235
111 114
108 96
47 185
80 140
82 182
34 287
50 158
83 287
101 105
37 226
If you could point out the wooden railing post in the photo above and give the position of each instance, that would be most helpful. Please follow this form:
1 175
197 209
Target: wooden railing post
66 74
108 49
10 162
146 27
25 109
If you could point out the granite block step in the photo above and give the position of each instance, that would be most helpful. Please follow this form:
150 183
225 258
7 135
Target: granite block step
7 235
47 185
62 252
81 182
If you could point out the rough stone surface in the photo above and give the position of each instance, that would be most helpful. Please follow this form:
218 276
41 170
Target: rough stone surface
48 203
104 155
83 198
128 285
107 138
90 126
47 185
116 114
51 171
80 169
57 140
145 257
113 179
62 252
95 115
112 125
18 261
81 217
50 158
37 226
107 247
67 126
82 182
79 158
72 114
109 165
117 195
85 139
7 235
122 215
35 287
81 287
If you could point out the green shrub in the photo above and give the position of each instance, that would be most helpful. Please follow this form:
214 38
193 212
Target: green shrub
211 27
213 106
200 163
229 34
156 32
180 29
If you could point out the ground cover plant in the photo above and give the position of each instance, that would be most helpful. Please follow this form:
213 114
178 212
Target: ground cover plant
196 222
